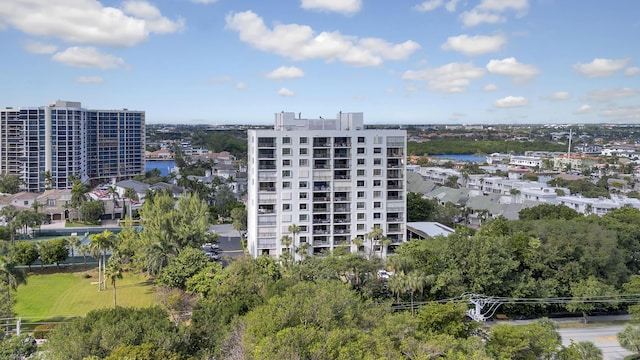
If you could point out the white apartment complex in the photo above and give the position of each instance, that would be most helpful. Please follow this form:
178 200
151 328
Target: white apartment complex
332 178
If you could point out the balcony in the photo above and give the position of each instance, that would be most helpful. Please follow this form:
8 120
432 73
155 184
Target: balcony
394 174
266 154
342 208
321 154
338 219
266 142
341 229
341 153
266 210
321 219
394 228
394 163
341 164
321 208
395 153
321 164
342 175
341 196
322 142
320 230
342 142
321 197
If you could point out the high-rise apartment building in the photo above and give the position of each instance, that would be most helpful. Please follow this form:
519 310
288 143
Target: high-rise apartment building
332 178
63 140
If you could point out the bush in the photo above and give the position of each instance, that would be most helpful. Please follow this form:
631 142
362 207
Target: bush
42 331
86 276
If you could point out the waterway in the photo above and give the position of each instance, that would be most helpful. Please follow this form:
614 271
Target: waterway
164 166
458 157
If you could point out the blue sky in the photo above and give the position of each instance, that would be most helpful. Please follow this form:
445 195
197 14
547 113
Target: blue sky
401 61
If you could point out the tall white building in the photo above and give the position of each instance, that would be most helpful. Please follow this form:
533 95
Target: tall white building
64 140
332 178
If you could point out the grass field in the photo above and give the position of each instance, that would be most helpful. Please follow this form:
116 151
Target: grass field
71 293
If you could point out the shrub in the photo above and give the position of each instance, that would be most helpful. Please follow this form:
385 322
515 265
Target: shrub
42 331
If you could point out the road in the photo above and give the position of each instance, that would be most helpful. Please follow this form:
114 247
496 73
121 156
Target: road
603 336
228 240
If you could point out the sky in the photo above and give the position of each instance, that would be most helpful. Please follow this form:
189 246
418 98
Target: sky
397 61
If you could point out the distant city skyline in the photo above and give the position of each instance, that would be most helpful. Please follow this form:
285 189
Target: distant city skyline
405 62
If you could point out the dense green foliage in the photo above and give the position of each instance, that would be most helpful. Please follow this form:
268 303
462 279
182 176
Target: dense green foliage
463 146
234 142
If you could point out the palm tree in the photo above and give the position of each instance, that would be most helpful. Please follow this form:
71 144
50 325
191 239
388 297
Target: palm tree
384 244
11 276
629 338
415 282
114 272
294 230
74 242
286 241
158 254
113 193
397 284
357 241
587 350
78 194
375 235
98 246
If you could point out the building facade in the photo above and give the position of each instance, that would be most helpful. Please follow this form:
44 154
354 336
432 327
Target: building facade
46 146
332 178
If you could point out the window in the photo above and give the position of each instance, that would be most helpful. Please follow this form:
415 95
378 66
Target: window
361 161
360 206
377 150
377 205
303 228
361 172
360 150
303 151
361 216
361 195
286 151
286 173
377 194
303 162
303 195
360 139
303 184
377 216
377 172
303 217
303 206
286 140
286 162
303 239
286 207
377 161
361 227
286 185
51 202
304 140
360 183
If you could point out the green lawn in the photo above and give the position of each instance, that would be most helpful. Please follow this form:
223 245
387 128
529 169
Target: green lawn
71 294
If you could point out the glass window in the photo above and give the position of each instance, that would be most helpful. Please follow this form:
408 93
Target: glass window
360 183
303 184
360 150
286 185
361 161
361 227
377 161
377 205
360 139
286 173
286 140
286 162
303 195
360 206
304 151
377 183
361 172
377 172
286 151
304 140
303 206
303 162
361 195
286 207
377 150
377 216
377 194
303 217
362 216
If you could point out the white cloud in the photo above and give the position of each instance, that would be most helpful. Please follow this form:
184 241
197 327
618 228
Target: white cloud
284 72
450 78
584 109
451 5
475 45
512 68
601 67
503 5
241 86
631 71
299 42
490 87
622 113
491 11
511 101
286 92
605 95
36 47
346 7
87 21
429 5
89 80
557 96
474 17
88 57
